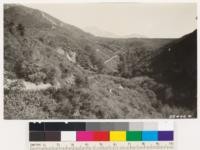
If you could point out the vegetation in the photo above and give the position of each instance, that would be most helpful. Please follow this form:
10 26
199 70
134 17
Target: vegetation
21 29
155 78
113 98
134 63
90 59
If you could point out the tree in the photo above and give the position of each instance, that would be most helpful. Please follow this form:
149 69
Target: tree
10 27
50 72
37 77
81 80
21 29
134 63
95 59
26 68
124 67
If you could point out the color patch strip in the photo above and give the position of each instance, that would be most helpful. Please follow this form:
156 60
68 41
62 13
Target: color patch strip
102 136
117 135
133 136
165 135
150 136
103 131
101 126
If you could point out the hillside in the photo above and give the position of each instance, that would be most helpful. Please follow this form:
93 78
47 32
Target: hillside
176 64
55 70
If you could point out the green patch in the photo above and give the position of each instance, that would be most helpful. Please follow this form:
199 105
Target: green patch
133 135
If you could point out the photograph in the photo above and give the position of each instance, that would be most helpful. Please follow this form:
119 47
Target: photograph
100 60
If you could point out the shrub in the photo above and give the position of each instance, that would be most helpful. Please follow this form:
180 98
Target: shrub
37 77
13 85
26 68
28 105
21 29
41 39
10 27
89 59
50 73
81 80
65 107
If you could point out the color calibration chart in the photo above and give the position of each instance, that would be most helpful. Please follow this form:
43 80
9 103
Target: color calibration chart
101 136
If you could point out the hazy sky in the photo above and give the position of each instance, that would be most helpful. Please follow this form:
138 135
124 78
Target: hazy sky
148 19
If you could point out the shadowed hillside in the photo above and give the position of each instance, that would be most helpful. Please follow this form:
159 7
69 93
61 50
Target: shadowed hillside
176 65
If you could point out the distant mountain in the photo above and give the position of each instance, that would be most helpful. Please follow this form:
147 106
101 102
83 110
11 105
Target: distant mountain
101 33
134 36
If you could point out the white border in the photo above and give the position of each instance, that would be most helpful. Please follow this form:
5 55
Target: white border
14 132
88 1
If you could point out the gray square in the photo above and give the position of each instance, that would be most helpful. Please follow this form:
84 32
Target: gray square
121 126
136 126
92 126
150 126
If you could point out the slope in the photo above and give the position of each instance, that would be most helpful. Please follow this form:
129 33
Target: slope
176 65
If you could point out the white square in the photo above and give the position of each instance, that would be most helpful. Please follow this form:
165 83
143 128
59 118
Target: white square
68 135
166 126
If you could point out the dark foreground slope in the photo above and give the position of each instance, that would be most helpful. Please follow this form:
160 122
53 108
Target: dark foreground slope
55 70
176 65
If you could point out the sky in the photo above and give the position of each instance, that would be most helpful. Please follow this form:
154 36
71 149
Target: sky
154 20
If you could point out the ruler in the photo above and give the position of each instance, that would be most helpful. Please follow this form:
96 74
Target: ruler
101 146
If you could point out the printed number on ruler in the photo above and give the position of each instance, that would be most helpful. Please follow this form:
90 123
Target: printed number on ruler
101 146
